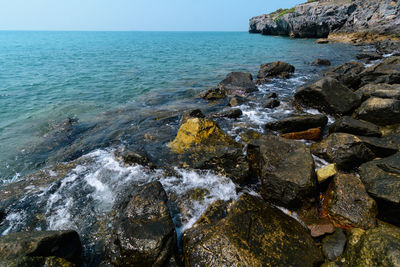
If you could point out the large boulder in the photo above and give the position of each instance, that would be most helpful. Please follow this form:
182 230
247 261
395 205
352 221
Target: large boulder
349 151
382 181
36 246
347 73
387 71
235 84
349 125
249 233
376 247
275 69
201 144
381 90
328 95
143 232
238 83
298 123
285 168
381 111
347 203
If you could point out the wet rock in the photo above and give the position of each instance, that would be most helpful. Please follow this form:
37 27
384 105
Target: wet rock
61 244
143 232
271 103
249 136
131 158
328 95
333 245
201 144
237 83
347 73
298 123
347 203
36 262
237 101
381 90
231 114
321 62
376 247
285 168
349 151
195 113
314 134
349 125
381 111
213 94
382 181
368 56
272 95
251 234
275 69
326 172
387 71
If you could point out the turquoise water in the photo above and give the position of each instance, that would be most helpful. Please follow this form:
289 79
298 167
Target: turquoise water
47 77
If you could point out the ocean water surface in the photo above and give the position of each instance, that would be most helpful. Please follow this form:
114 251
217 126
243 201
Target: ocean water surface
48 77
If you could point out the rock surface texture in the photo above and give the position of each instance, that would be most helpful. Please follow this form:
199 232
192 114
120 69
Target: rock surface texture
251 233
320 18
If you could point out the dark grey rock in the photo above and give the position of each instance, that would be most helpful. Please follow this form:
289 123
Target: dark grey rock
347 73
275 69
333 245
381 111
285 168
328 95
231 114
349 125
369 56
321 62
298 123
271 103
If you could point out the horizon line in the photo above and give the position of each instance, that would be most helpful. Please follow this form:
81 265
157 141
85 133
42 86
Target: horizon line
123 30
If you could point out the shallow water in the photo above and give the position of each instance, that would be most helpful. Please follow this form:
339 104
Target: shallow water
47 77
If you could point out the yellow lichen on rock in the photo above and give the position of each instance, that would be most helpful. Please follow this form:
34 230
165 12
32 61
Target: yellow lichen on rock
197 131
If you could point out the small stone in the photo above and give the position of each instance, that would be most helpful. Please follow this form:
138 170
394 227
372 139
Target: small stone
333 245
326 172
272 103
272 95
321 62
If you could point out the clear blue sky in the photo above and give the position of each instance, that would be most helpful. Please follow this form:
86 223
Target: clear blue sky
146 15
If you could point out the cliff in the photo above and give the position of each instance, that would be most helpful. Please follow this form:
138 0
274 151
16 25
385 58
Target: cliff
321 18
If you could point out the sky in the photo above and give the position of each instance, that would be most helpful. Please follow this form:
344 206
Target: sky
135 15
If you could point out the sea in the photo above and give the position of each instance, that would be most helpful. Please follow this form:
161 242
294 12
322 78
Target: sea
78 96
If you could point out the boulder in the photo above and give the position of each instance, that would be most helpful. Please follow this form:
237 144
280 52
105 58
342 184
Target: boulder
298 123
231 114
251 233
376 247
238 83
271 103
60 244
387 71
381 90
349 151
313 134
275 69
237 101
213 94
333 245
328 95
347 73
347 203
201 144
382 181
326 172
381 111
349 125
285 168
321 62
129 157
143 232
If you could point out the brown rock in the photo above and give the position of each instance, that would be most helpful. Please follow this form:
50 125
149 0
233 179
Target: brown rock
311 134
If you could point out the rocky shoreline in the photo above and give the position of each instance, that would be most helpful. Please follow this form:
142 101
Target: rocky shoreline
312 189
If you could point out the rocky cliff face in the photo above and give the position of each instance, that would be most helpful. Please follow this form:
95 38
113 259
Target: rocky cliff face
319 19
